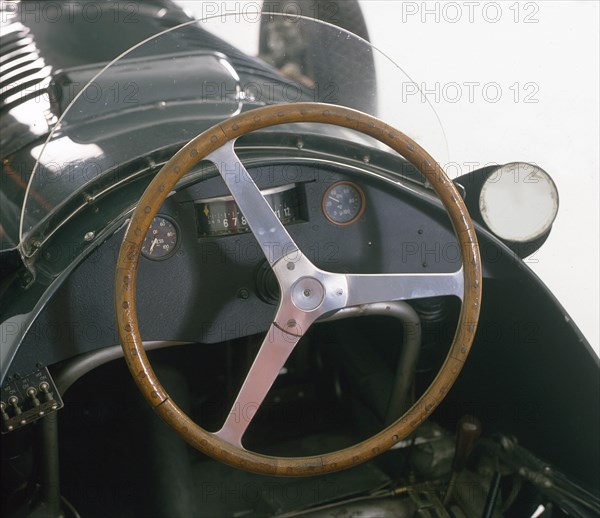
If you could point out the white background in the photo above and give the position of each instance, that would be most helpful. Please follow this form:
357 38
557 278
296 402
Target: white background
543 59
557 51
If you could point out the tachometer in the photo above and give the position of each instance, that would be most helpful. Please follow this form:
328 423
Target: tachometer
343 203
221 216
161 239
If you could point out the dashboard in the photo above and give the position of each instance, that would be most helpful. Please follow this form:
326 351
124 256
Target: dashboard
202 276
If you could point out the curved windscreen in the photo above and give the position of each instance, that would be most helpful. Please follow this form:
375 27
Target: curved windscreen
187 78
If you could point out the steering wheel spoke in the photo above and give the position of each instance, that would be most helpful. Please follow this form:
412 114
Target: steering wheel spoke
272 355
366 289
273 238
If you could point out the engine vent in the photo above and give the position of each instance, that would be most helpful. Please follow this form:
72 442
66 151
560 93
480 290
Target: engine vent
23 73
25 110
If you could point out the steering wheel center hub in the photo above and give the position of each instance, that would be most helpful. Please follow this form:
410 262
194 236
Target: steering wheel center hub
307 293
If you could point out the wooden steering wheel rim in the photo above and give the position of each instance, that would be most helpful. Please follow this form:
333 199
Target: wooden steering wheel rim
151 201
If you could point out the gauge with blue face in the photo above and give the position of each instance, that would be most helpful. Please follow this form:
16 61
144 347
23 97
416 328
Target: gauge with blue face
343 203
161 239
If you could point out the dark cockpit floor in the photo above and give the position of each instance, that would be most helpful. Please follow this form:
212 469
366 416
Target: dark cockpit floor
118 458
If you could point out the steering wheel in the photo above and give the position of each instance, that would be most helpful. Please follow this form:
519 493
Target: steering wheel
307 292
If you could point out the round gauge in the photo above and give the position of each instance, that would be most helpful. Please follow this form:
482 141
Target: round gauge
161 239
343 203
